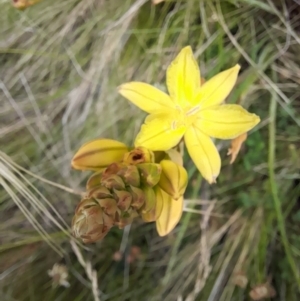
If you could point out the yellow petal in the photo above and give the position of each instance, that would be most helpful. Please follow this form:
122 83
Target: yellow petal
215 90
236 145
170 214
149 216
175 156
183 77
146 97
99 153
159 132
226 121
159 201
204 153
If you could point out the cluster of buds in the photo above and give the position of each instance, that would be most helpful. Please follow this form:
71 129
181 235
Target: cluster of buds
127 184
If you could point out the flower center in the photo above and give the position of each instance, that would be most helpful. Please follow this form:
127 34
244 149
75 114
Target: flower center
185 116
193 110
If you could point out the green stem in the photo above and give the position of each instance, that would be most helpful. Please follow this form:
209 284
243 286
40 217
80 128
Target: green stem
274 190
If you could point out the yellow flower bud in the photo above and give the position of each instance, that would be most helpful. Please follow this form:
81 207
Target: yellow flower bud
173 179
98 154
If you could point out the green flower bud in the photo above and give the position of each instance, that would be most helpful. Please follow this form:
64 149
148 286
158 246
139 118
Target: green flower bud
150 173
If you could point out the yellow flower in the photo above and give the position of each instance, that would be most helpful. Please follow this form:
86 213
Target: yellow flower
191 110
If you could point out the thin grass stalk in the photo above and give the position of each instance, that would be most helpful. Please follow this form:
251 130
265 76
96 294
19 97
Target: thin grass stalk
274 190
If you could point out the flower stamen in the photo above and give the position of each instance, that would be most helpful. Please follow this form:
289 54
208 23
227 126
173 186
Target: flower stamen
193 111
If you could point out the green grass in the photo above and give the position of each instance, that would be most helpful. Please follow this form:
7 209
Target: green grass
60 65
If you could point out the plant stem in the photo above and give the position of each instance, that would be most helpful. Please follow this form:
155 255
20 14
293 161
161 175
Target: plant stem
274 190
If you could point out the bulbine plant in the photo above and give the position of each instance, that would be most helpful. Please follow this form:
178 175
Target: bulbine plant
149 180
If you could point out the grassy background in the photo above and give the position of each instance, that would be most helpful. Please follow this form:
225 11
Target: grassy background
60 64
